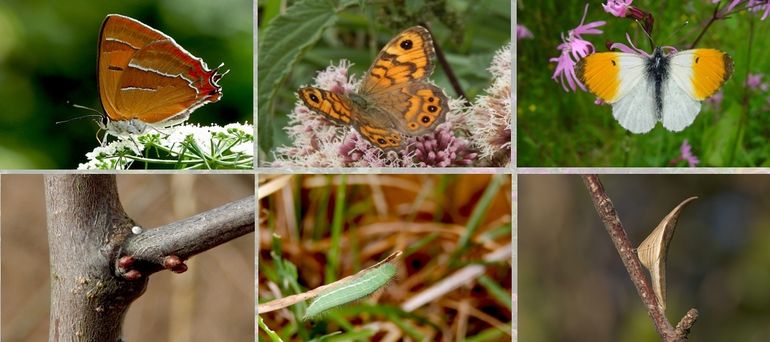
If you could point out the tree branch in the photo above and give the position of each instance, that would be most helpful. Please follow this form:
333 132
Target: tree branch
618 235
98 260
169 245
86 224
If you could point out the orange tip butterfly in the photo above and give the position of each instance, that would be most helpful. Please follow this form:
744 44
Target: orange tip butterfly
662 87
147 80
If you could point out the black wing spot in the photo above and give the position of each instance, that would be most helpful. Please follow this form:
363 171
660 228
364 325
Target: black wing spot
116 68
425 119
314 98
613 62
406 44
432 108
697 59
431 99
381 141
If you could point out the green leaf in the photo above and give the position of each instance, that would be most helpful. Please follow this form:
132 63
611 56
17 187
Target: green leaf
280 47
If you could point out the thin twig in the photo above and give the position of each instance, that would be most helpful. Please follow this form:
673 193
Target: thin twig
450 74
714 17
193 235
617 233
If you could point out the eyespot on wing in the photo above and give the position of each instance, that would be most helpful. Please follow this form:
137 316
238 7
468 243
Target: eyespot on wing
426 107
407 57
328 104
382 138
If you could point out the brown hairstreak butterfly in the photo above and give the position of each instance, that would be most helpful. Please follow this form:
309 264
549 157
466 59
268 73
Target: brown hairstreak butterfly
146 80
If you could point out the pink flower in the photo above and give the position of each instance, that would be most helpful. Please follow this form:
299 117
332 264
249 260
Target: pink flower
733 4
754 82
752 6
442 149
522 32
716 99
685 153
618 8
578 48
766 6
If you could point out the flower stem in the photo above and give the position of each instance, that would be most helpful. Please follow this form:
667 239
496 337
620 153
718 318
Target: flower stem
745 100
714 17
450 74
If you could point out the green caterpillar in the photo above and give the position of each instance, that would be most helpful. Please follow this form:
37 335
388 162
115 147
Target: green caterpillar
357 288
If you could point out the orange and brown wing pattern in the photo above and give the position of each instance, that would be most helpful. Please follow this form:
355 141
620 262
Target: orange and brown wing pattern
416 107
331 105
407 57
120 38
384 138
144 74
427 107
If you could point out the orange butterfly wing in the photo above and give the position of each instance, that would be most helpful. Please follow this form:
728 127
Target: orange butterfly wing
143 74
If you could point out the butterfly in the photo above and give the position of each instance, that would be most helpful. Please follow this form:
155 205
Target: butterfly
146 80
394 99
662 87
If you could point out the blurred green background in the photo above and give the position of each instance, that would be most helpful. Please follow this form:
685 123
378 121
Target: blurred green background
324 32
48 62
573 284
567 129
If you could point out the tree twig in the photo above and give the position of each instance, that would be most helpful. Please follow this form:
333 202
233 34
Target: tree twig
618 235
186 238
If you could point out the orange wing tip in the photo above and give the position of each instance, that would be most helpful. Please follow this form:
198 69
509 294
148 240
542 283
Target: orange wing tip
711 69
600 73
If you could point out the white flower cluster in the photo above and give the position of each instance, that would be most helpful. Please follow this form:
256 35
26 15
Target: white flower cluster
185 146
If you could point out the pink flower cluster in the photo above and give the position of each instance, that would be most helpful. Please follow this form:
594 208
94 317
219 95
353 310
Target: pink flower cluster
573 48
751 6
618 8
685 154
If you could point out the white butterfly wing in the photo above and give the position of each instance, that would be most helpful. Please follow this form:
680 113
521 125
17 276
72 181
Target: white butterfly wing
678 94
634 107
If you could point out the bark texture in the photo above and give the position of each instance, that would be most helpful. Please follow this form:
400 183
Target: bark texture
100 264
86 225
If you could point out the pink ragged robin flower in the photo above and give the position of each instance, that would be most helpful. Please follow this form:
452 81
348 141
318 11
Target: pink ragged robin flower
685 154
573 48
716 99
618 8
522 32
754 82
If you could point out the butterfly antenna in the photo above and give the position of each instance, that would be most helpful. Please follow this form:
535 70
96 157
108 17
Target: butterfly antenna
97 114
644 30
678 29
